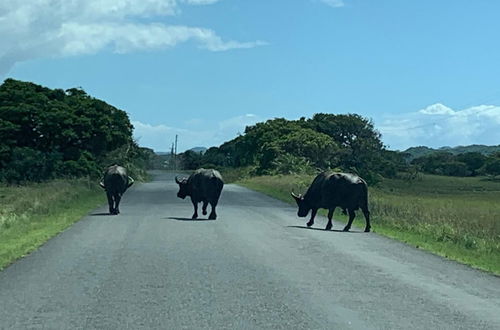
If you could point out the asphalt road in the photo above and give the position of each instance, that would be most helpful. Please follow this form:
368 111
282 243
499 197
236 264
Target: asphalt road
255 267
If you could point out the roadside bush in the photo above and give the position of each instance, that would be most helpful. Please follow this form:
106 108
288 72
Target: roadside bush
27 164
290 164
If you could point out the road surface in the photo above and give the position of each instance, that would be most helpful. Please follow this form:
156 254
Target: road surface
255 267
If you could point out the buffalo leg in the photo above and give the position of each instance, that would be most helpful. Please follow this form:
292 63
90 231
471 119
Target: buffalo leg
110 202
311 221
366 213
118 198
204 208
330 216
212 215
195 214
352 214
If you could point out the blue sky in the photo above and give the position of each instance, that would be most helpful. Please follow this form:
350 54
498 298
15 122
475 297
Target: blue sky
426 72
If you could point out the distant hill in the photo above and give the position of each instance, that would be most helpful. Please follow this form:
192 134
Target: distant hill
199 149
415 152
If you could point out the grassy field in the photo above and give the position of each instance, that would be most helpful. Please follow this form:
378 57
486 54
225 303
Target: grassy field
32 214
458 218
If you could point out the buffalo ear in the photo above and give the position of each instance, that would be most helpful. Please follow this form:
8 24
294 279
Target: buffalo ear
177 180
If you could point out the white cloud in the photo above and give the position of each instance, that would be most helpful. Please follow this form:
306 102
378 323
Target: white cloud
438 125
201 132
334 3
437 109
88 39
53 28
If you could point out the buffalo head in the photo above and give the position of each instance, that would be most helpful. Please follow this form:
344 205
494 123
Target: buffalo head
303 205
183 188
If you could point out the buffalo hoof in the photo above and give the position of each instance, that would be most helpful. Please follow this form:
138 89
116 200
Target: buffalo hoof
346 229
367 229
328 227
212 216
195 216
309 224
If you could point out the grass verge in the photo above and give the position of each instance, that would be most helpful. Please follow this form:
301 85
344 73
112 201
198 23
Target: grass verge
458 218
32 214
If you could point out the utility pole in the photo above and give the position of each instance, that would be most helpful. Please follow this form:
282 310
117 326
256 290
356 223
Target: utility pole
172 157
175 153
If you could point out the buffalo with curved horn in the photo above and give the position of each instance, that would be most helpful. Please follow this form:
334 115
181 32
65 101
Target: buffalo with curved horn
204 185
115 182
332 190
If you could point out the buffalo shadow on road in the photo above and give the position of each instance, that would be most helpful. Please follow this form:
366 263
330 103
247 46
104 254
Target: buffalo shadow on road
189 219
100 214
323 229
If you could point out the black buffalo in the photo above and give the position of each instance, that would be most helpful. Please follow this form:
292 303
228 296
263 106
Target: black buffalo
331 190
204 185
115 182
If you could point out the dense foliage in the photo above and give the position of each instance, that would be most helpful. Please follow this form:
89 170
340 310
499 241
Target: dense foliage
465 164
47 133
417 152
342 141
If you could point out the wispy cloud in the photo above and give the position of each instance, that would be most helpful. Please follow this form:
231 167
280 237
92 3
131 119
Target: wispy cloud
438 125
56 28
200 132
333 3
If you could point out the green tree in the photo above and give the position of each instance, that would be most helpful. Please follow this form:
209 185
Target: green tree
473 160
433 163
492 166
38 122
360 144
454 168
191 160
317 149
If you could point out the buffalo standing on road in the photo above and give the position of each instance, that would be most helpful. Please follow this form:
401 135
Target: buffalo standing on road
204 185
115 182
331 190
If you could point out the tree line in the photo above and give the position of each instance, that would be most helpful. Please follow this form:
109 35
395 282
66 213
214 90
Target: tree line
52 133
464 164
347 142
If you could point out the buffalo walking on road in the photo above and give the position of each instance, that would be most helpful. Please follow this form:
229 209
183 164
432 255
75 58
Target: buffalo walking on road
331 190
204 185
115 182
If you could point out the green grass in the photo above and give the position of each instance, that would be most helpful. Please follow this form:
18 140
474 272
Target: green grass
458 218
32 214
